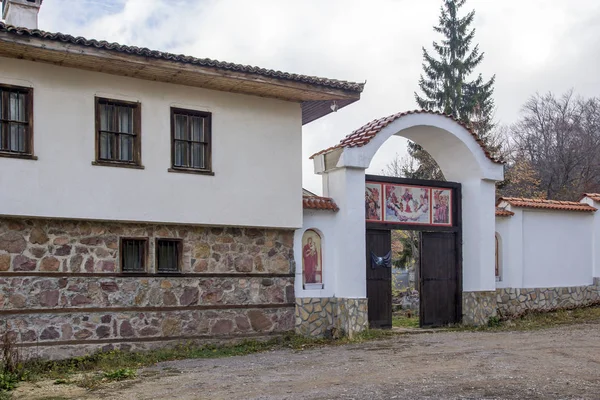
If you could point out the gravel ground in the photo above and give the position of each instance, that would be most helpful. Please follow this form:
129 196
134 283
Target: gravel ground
556 363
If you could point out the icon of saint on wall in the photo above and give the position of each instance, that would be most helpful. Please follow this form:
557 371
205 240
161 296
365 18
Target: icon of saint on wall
312 269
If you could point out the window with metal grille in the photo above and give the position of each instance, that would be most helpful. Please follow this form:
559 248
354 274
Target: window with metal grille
16 122
134 255
168 255
190 140
117 132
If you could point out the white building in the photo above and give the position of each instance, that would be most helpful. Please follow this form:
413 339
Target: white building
151 193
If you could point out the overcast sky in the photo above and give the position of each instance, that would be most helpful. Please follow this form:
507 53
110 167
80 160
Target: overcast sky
530 45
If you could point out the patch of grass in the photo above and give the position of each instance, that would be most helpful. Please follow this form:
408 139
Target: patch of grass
120 374
120 365
403 321
89 381
539 320
8 381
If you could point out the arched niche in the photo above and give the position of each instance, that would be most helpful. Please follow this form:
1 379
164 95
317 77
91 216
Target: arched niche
312 259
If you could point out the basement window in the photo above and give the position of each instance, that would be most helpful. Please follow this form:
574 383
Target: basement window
134 255
16 121
168 255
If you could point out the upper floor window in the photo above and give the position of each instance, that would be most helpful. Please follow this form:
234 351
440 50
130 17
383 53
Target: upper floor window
190 141
118 136
16 121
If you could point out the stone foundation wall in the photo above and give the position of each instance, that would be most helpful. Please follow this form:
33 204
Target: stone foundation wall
352 316
513 302
61 285
478 307
318 317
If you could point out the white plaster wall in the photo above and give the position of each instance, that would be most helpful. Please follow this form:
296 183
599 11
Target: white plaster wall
21 13
595 235
510 230
557 249
256 155
347 187
323 222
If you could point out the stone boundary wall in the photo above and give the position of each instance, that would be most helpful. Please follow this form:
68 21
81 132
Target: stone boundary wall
478 307
330 316
61 285
514 302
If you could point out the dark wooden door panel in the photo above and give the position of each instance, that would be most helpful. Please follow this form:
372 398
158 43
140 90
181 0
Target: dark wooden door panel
439 284
379 280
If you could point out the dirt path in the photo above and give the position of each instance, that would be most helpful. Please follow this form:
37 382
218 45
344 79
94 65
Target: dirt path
556 363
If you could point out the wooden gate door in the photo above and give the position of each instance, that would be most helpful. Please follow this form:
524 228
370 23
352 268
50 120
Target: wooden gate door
379 278
440 286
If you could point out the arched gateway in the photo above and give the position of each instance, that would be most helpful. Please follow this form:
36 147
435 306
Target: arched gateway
462 158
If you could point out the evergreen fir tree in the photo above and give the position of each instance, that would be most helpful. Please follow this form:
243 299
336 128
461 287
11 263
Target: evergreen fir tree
445 86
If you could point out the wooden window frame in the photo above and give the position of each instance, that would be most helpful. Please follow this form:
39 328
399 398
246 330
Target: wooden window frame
179 255
146 255
137 129
29 154
208 135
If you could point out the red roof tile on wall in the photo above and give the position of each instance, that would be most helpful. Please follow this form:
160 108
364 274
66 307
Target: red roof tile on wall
594 196
547 204
319 203
501 212
364 134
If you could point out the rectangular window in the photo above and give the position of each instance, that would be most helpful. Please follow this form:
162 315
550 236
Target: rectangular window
168 255
134 255
190 141
118 140
16 121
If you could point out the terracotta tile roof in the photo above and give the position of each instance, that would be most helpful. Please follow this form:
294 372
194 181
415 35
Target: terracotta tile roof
364 134
547 204
319 203
593 196
205 62
501 212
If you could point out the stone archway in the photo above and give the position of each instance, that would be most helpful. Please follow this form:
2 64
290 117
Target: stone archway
462 158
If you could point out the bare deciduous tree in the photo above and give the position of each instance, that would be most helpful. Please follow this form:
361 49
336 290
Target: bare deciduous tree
556 147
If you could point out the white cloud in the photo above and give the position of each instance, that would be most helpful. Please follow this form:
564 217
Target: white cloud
533 45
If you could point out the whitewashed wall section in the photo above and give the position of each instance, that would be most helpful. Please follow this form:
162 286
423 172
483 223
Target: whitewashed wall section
323 222
253 185
543 249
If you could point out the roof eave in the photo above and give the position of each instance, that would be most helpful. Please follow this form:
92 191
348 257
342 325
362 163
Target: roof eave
316 99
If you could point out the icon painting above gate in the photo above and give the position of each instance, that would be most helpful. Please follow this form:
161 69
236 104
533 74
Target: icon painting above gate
407 204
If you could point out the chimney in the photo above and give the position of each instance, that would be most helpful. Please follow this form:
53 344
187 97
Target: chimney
21 13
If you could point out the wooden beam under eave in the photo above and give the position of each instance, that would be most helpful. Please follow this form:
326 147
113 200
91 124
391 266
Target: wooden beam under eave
116 63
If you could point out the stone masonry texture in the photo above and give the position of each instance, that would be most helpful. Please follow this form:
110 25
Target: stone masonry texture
514 302
319 317
478 307
61 284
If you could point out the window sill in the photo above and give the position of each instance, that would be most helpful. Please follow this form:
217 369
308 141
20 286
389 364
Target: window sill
18 155
313 286
116 164
191 171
